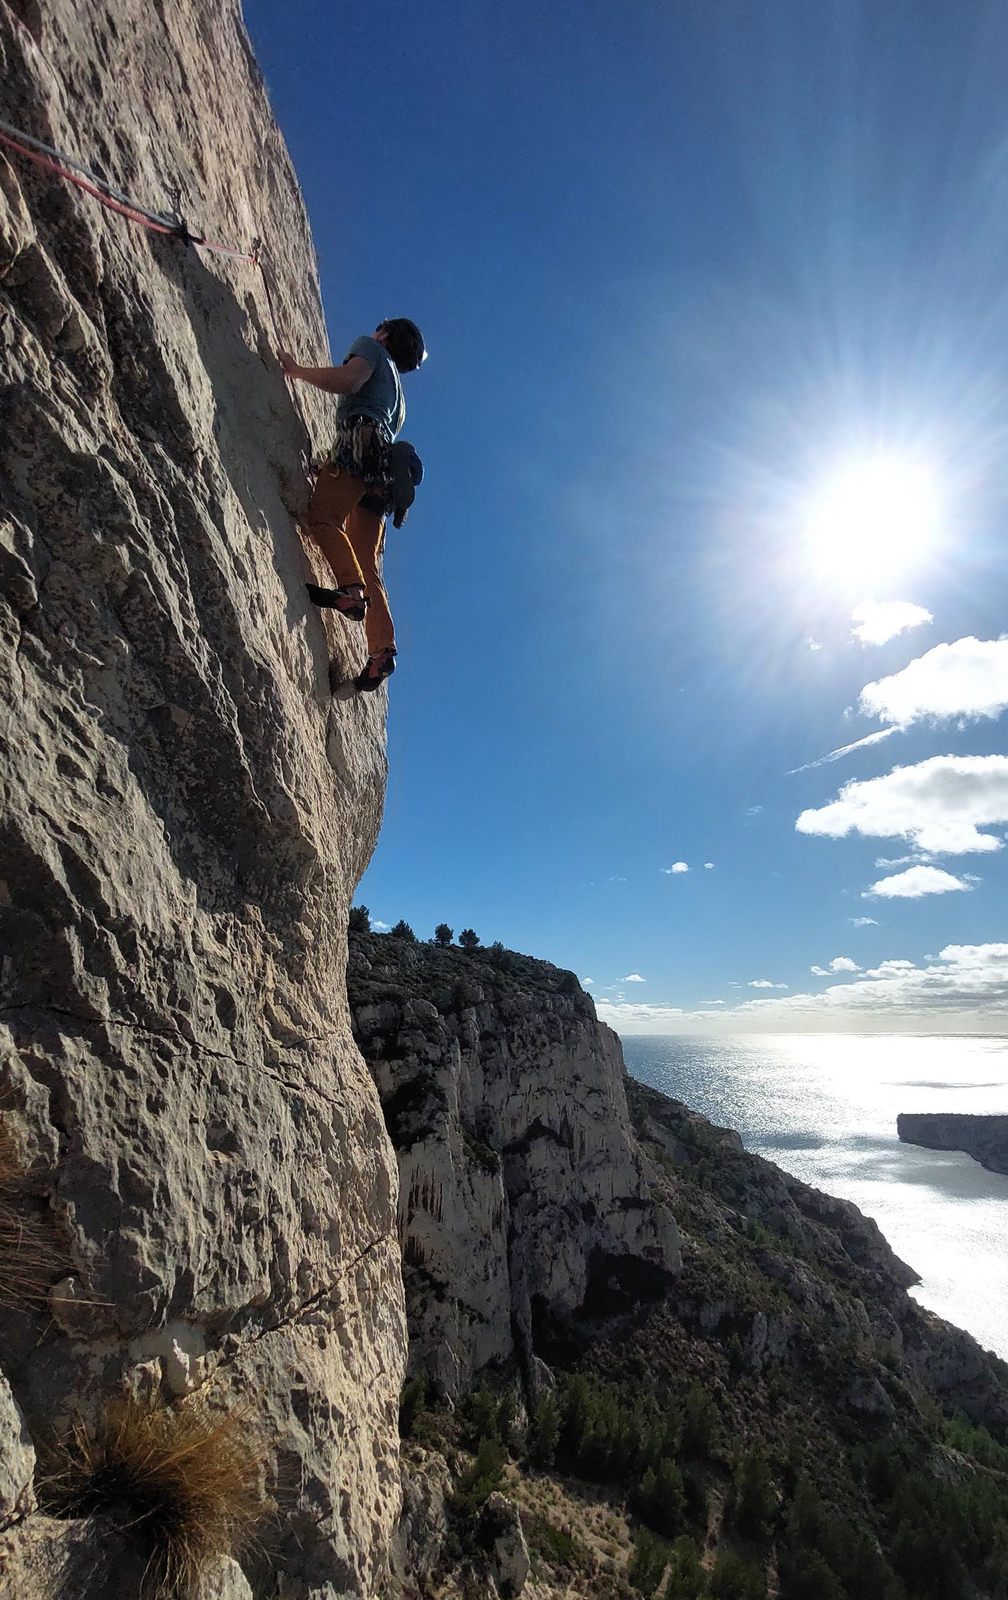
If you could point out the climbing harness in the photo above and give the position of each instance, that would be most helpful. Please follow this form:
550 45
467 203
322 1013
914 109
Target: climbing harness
45 155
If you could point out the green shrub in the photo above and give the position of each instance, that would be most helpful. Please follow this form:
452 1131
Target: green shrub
734 1578
685 1579
700 1428
472 1490
544 1430
402 930
480 1413
500 957
661 1498
549 1542
805 1575
852 1558
975 1441
753 1500
927 1560
412 1400
648 1562
469 939
360 919
481 1154
443 935
463 995
605 1436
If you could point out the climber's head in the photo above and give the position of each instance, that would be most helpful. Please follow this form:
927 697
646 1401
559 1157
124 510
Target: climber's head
403 341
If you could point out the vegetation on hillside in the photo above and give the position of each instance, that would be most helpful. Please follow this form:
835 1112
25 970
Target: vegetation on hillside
901 1515
397 966
754 1433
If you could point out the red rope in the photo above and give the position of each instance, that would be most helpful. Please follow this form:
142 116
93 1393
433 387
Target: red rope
132 213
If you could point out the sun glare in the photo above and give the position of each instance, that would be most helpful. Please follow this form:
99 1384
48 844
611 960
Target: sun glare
873 519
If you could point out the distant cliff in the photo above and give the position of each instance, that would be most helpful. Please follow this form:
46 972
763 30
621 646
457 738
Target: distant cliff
983 1138
538 1188
523 1197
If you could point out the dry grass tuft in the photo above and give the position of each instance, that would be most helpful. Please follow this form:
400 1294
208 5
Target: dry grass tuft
182 1483
30 1253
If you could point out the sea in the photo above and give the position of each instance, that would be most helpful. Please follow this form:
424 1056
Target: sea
824 1107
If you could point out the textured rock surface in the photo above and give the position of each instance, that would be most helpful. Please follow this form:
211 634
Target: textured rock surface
500 1532
423 1525
184 812
983 1138
522 1196
17 1461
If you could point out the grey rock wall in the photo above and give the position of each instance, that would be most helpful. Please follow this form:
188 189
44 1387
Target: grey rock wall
183 811
523 1197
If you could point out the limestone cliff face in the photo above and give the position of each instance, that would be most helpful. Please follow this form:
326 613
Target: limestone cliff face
184 812
985 1138
524 1199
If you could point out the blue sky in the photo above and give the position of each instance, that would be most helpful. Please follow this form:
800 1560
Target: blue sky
715 297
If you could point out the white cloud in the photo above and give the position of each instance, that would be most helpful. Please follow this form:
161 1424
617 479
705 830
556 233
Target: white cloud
586 983
838 964
633 977
764 983
875 621
708 866
914 883
813 644
964 680
675 868
712 1002
965 978
629 1016
377 923
964 987
863 922
936 805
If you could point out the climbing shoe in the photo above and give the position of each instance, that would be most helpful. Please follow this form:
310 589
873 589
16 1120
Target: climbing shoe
379 667
350 601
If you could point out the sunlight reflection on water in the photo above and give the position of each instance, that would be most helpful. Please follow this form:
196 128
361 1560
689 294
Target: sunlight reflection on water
824 1107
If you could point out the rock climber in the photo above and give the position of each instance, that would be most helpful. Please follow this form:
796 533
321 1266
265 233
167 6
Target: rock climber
352 497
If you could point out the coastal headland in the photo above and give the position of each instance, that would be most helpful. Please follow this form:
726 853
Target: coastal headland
985 1138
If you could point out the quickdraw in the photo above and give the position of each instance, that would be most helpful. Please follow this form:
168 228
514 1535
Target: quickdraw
45 155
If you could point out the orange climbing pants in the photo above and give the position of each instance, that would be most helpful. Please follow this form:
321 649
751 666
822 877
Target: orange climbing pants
351 538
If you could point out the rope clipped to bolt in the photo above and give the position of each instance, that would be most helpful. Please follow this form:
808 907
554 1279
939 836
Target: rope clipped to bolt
57 161
176 227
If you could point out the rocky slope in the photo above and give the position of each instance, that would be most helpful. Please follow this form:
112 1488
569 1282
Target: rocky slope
983 1138
186 1122
530 1256
523 1195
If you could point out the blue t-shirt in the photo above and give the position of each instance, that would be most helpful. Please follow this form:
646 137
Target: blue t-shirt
381 397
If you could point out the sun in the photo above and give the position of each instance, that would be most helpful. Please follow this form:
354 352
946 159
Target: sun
873 519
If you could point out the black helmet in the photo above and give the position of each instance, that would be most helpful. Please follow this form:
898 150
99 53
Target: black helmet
404 343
